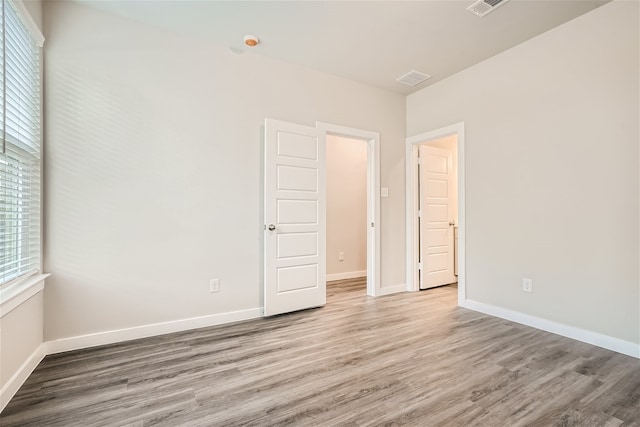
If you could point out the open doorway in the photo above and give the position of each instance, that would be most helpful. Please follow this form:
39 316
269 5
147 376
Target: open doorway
346 211
364 148
436 215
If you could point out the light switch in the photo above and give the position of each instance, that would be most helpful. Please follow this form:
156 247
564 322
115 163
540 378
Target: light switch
384 192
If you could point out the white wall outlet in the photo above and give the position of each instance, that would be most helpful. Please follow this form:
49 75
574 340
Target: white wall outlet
340 256
214 285
527 285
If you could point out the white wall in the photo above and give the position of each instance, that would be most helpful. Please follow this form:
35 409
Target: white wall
34 7
551 154
20 336
154 169
346 206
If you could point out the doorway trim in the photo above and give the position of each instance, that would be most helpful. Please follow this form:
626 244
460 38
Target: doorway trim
373 196
411 161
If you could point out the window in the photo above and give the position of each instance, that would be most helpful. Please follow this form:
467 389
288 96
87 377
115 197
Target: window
20 162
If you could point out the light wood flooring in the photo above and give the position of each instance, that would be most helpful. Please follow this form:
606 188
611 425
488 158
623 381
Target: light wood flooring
410 359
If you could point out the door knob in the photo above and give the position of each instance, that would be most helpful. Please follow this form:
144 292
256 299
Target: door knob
271 227
452 223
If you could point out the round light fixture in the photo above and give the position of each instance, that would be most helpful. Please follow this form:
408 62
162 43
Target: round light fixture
251 41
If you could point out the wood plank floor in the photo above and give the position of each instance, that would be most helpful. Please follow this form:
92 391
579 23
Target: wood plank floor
407 359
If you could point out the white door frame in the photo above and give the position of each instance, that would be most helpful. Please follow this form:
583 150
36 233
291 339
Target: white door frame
411 161
373 196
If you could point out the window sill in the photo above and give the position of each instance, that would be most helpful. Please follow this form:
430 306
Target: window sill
15 295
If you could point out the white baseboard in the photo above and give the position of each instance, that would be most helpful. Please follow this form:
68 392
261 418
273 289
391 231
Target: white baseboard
387 290
610 343
15 382
347 275
110 337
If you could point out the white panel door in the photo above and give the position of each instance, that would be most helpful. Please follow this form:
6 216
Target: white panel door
436 217
295 224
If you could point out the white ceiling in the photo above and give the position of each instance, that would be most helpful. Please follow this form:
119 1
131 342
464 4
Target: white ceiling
373 42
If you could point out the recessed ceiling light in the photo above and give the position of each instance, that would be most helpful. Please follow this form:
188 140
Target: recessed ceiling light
251 40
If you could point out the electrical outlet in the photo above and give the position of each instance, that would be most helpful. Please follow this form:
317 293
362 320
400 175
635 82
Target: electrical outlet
527 285
340 256
214 285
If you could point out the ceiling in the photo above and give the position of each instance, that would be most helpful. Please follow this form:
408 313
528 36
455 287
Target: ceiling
373 42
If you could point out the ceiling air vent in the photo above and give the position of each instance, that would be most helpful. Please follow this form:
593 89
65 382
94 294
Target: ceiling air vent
482 7
413 78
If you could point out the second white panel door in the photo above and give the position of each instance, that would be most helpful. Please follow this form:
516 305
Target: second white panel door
437 217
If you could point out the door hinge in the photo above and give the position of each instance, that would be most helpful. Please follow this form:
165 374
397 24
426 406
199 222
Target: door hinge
419 266
419 214
419 160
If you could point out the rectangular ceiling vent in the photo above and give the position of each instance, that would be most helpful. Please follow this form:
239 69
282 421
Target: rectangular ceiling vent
482 7
413 78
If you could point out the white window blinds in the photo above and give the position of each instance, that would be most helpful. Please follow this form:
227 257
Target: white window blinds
20 163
